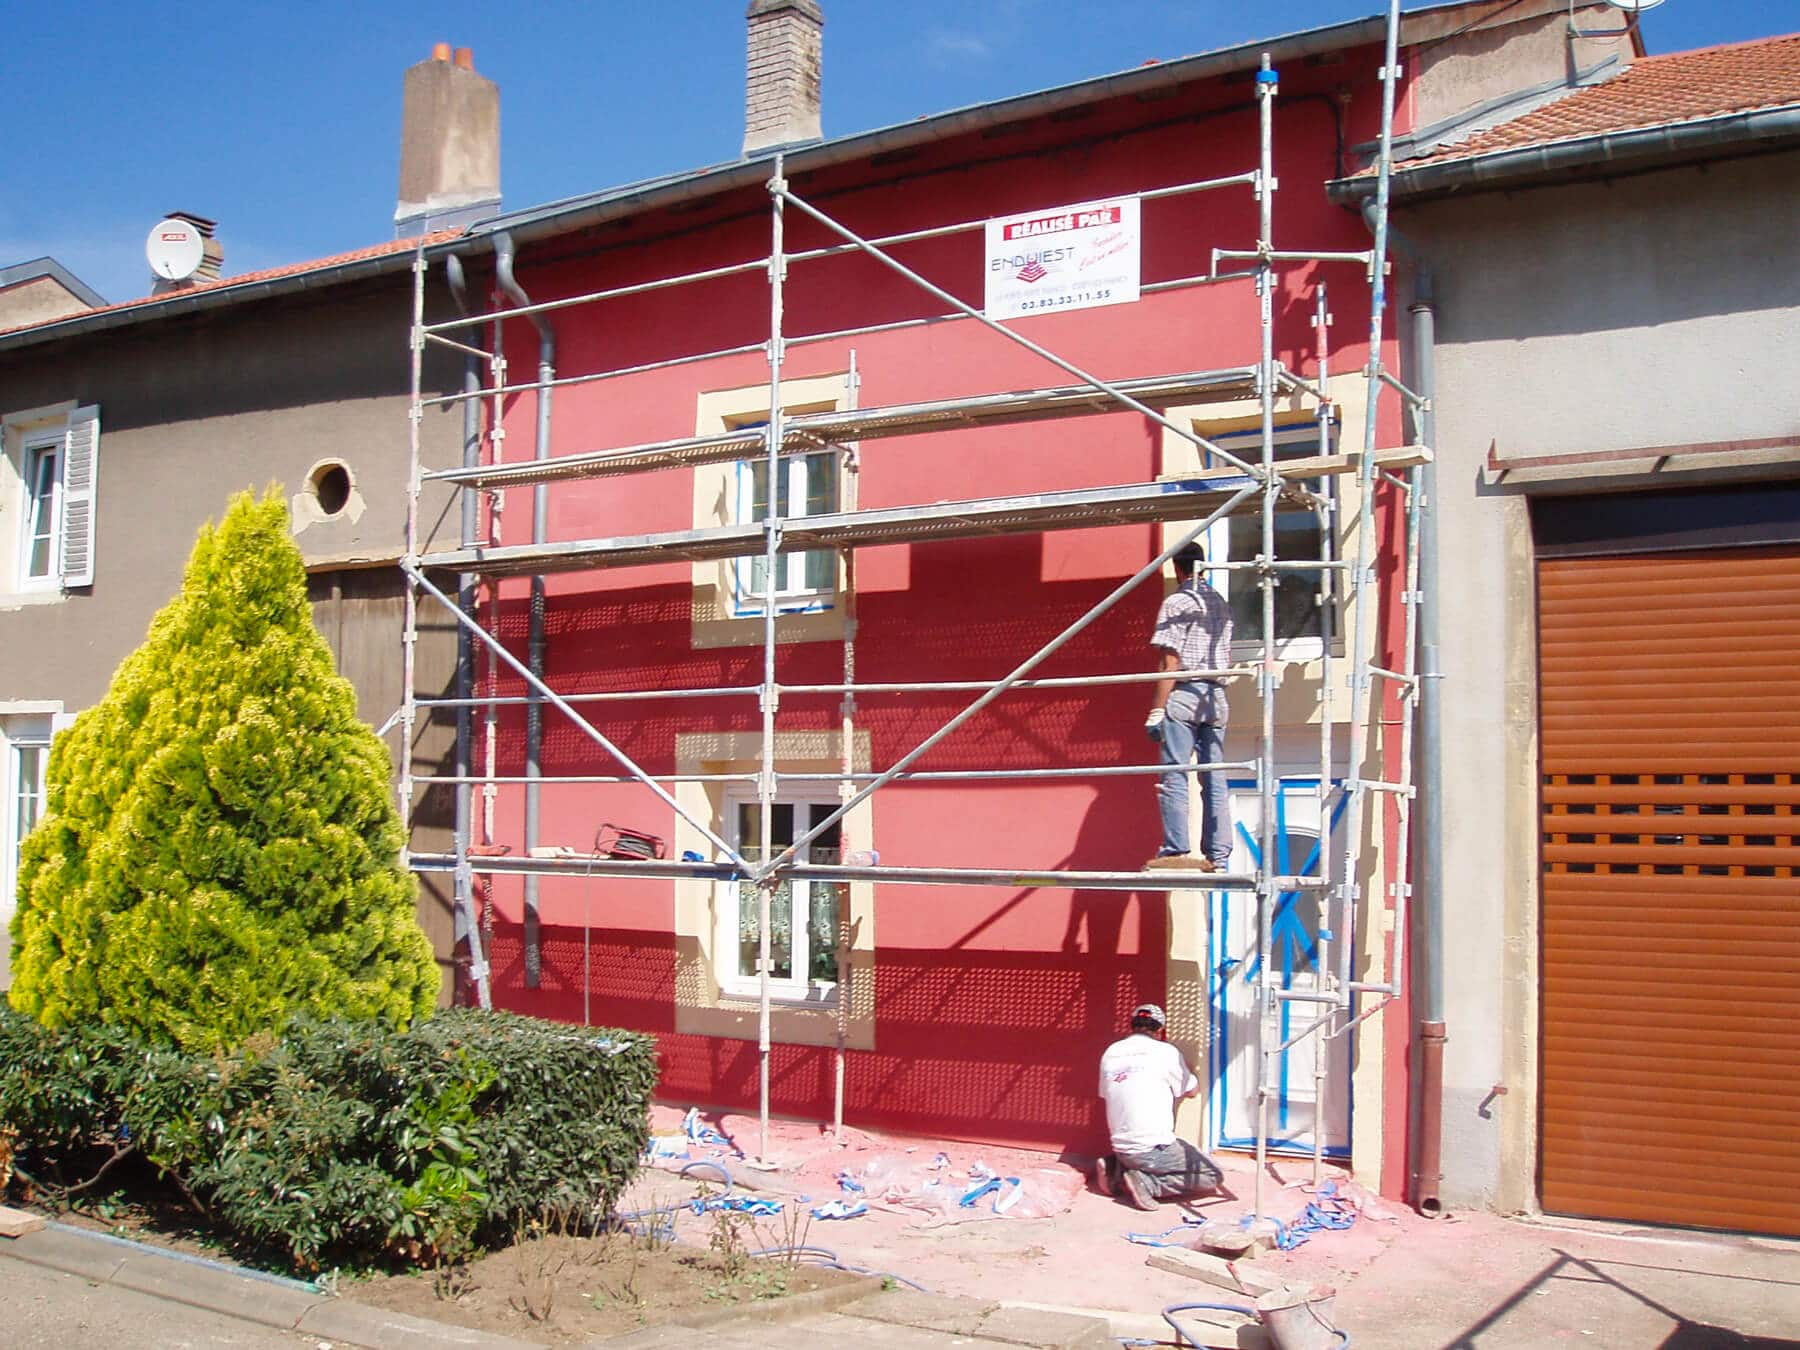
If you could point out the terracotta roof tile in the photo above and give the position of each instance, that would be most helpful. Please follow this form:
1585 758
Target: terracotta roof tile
266 274
1655 91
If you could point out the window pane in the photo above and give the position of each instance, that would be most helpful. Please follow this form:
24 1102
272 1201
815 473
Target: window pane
1296 921
821 483
828 902
781 930
40 513
28 773
1297 612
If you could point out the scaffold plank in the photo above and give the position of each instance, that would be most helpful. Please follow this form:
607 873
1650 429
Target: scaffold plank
810 431
1077 509
1082 508
579 866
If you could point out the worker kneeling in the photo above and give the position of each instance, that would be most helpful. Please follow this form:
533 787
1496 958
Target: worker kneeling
1141 1079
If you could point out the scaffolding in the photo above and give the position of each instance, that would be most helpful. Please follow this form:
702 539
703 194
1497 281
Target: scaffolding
1373 801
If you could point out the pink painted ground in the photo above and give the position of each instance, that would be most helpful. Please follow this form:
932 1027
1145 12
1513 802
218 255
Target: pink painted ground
1076 1253
1403 1281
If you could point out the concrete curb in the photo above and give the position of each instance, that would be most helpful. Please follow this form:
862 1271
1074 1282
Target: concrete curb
214 1287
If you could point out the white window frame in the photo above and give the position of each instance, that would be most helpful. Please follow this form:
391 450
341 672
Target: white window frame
17 734
33 449
67 436
793 594
1293 440
737 983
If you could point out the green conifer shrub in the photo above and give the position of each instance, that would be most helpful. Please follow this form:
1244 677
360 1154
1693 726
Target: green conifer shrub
220 850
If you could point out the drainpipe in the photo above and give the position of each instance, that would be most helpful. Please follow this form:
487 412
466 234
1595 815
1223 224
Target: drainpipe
1428 862
463 906
534 643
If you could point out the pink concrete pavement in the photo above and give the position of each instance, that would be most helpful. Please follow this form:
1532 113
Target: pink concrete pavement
1402 1281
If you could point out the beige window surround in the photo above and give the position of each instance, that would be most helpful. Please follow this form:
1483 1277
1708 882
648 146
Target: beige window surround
716 620
702 1008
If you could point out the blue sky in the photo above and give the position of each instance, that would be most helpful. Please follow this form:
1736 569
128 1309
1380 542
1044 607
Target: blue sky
282 121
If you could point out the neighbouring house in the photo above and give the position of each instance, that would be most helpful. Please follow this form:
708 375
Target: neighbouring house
1614 283
124 427
42 290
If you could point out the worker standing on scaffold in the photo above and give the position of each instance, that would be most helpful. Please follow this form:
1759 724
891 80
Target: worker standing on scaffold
1193 632
1141 1079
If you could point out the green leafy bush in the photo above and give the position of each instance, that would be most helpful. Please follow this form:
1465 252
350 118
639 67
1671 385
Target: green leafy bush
220 850
347 1142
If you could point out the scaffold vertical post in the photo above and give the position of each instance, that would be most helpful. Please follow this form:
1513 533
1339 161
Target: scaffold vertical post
1266 897
768 879
1327 594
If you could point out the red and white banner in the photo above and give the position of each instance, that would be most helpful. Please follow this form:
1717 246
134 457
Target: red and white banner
1068 257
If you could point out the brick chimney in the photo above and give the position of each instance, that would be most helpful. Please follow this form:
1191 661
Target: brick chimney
449 145
781 100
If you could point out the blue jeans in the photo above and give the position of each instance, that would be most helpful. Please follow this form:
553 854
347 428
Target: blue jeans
1181 743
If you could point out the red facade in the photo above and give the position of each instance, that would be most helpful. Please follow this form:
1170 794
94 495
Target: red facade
991 1005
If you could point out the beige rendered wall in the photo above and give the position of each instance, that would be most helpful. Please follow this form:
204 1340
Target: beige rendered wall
36 301
1654 310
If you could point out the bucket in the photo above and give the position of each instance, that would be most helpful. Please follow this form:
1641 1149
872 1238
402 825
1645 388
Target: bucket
1300 1319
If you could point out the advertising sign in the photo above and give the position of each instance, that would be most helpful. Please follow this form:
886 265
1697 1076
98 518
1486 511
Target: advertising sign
1068 257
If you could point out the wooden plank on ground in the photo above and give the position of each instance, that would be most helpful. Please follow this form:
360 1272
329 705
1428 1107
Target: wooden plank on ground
17 1223
1210 1270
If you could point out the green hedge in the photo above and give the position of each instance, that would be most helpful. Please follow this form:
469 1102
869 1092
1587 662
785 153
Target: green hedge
346 1143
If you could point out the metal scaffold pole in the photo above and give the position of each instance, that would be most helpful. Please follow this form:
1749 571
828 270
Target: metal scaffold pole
769 879
1266 899
1327 588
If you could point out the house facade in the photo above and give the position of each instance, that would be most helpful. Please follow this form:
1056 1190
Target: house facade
1616 309
960 1008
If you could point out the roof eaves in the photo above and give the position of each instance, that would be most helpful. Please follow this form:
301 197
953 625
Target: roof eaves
208 298
1575 157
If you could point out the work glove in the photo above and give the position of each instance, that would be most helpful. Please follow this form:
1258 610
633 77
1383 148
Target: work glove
1153 724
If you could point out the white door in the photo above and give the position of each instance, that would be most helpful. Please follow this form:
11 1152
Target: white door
1235 964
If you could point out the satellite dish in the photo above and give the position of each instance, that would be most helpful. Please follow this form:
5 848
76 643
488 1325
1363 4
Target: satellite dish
1634 6
175 249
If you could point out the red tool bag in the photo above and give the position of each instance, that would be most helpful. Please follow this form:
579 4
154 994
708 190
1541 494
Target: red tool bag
615 841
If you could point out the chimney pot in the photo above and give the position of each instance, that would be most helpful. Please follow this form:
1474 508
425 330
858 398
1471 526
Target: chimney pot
465 58
441 52
782 76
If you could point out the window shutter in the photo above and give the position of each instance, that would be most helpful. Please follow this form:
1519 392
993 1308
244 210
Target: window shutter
81 463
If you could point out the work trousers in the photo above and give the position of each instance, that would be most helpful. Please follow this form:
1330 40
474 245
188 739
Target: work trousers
1181 743
1175 1171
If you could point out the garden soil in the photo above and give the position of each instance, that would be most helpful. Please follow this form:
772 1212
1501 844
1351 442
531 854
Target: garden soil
564 1290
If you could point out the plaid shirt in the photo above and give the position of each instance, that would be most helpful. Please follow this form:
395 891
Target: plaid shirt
1195 623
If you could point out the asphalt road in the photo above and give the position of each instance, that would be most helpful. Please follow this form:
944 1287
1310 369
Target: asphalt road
46 1308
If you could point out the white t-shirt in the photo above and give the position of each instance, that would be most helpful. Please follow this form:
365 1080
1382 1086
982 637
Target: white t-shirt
1140 1079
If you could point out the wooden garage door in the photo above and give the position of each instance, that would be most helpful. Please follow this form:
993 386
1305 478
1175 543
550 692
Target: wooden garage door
1670 706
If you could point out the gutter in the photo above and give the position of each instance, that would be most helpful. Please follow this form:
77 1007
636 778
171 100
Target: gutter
1428 914
1640 148
534 643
